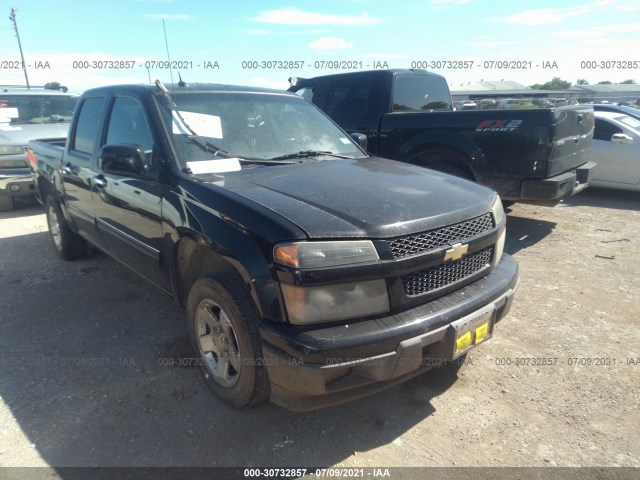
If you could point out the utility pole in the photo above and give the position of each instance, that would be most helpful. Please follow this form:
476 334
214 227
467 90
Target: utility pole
12 17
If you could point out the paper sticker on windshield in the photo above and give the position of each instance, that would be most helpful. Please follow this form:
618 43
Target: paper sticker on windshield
221 165
346 141
197 124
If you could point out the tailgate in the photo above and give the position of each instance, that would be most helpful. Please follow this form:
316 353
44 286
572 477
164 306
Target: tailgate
571 138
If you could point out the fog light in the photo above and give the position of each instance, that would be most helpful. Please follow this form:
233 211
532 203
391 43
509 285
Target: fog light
14 188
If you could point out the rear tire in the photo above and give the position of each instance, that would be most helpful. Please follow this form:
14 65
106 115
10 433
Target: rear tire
68 244
444 161
222 324
452 169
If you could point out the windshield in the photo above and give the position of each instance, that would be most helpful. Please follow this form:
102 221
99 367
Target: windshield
20 109
250 126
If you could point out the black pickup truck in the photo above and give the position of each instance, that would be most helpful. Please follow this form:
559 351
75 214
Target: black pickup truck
310 271
526 155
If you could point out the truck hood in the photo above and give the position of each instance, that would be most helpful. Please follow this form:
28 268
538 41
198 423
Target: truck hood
20 134
367 197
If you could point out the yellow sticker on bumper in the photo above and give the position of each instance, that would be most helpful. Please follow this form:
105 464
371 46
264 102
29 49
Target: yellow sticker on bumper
481 332
463 342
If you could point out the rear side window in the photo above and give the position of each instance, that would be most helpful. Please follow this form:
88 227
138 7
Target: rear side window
605 130
416 93
348 97
87 126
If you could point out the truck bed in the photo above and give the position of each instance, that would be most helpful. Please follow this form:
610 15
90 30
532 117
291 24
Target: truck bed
532 143
45 156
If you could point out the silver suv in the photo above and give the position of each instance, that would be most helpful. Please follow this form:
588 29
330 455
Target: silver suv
26 114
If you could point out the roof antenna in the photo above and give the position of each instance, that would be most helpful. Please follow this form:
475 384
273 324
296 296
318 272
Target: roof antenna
166 43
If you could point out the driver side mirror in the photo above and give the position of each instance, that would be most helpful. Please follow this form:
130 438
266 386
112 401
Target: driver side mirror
360 139
123 159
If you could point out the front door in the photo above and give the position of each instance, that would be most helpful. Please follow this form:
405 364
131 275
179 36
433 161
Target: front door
128 209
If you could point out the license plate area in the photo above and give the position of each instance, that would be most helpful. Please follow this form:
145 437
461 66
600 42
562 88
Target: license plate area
471 330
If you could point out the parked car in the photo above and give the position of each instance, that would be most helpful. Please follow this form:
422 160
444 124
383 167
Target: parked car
542 103
309 269
613 107
534 155
616 150
25 115
486 104
466 105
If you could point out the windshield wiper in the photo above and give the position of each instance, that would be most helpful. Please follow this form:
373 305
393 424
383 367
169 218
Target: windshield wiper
205 144
264 161
307 154
197 139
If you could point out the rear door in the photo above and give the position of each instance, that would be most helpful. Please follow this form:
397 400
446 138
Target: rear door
79 165
128 208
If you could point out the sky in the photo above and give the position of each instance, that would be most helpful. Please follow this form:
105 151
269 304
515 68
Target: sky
263 43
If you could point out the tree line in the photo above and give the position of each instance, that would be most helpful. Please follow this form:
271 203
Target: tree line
556 83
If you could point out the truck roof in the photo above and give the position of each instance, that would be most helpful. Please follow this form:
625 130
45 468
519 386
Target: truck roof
7 90
179 88
381 72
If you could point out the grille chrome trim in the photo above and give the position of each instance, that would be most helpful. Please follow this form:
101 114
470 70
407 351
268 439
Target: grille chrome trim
446 274
423 242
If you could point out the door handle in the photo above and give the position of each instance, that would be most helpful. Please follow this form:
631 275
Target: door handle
66 169
99 181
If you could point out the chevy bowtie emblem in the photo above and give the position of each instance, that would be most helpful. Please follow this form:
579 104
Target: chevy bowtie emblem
456 252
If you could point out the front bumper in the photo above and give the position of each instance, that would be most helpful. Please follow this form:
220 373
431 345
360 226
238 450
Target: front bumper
16 182
311 369
558 187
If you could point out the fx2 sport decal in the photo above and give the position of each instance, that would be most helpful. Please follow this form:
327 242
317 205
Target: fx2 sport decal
498 125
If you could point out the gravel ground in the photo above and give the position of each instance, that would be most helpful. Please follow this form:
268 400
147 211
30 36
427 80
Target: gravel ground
82 380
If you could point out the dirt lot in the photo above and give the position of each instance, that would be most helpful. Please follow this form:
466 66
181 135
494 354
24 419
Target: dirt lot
82 381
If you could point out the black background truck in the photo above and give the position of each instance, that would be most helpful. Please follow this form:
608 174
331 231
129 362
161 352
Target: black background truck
533 155
311 272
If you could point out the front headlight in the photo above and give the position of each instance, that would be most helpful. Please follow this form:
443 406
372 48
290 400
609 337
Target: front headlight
307 304
325 254
11 150
497 210
331 303
498 216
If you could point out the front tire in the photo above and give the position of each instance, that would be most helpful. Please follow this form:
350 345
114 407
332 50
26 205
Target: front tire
222 327
67 243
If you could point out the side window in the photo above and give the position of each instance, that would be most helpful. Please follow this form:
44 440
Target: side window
415 93
605 130
306 93
348 98
87 126
128 125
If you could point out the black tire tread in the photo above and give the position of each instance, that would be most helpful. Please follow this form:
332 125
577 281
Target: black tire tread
445 161
231 286
73 246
